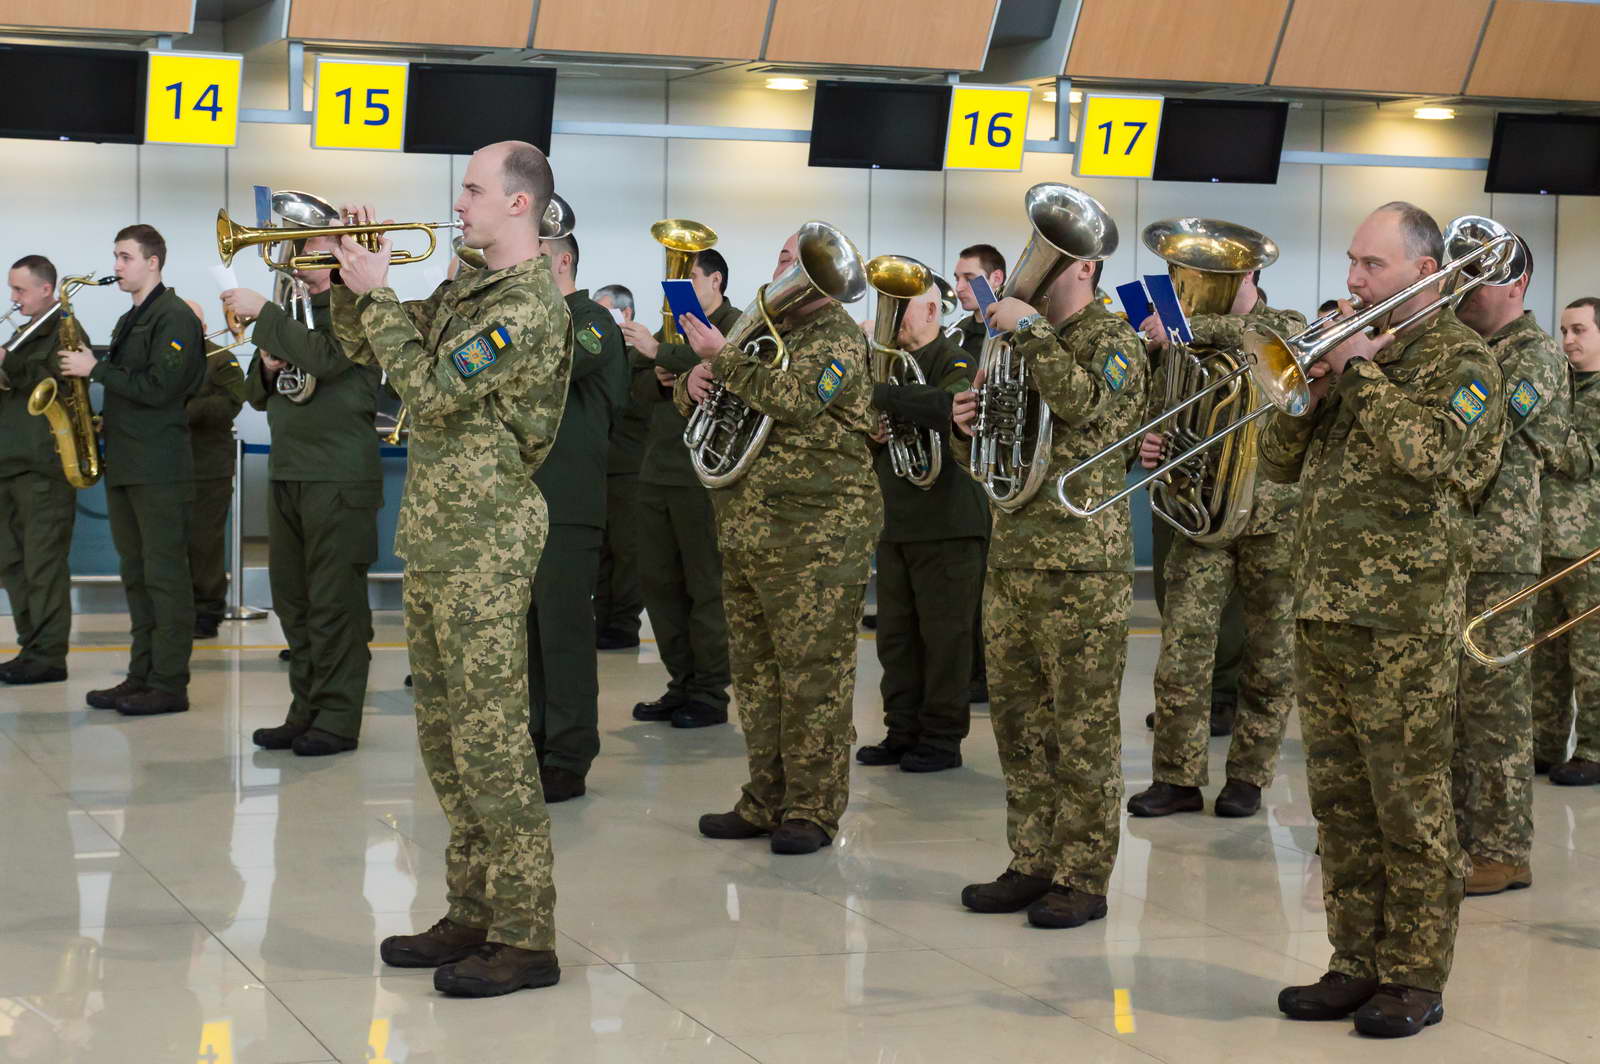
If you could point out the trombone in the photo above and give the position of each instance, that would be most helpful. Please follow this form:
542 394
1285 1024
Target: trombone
1468 634
1478 251
233 237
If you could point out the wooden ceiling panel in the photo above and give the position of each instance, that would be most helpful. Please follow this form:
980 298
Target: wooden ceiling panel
931 34
484 23
154 16
1410 46
1540 51
1170 40
712 29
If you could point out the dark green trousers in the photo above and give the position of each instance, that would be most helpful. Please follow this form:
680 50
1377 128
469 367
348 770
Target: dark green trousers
36 516
680 573
324 537
150 528
926 596
208 546
563 679
1230 632
618 601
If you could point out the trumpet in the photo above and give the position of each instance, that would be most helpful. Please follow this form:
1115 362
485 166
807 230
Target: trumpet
233 238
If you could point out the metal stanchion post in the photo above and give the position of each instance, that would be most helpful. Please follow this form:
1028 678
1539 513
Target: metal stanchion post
237 610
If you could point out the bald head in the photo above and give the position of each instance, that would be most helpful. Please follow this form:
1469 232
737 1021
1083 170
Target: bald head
920 327
198 312
504 193
524 169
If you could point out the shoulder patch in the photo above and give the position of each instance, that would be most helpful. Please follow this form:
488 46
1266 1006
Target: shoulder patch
177 345
960 363
1115 370
1470 401
1525 397
590 340
829 379
480 352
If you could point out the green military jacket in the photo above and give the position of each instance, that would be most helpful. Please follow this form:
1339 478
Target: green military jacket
573 477
970 334
1093 373
482 365
332 436
812 483
1570 499
954 506
1535 373
26 445
666 458
211 412
1391 465
157 361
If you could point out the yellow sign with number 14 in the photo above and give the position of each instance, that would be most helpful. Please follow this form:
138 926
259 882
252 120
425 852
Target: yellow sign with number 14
192 98
1117 136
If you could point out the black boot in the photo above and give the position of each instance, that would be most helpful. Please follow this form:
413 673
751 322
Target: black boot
699 715
1578 772
495 968
661 709
152 702
1066 907
888 752
799 836
1012 892
1333 997
318 743
1164 799
23 675
205 627
1399 1011
279 738
925 758
107 698
729 826
1238 798
561 785
442 943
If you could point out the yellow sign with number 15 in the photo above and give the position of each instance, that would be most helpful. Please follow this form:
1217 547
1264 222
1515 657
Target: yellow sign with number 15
359 104
1117 136
192 98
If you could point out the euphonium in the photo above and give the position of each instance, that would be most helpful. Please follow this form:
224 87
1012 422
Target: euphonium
1012 435
915 454
289 292
683 240
1210 497
65 404
724 434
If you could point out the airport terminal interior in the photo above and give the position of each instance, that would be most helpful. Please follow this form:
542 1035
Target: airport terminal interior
175 888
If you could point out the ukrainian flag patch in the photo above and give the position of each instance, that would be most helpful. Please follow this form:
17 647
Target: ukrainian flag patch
590 340
1470 401
829 379
1525 398
480 352
177 345
1116 370
960 363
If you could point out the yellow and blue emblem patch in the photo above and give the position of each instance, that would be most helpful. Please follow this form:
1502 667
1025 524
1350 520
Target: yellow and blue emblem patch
177 345
1115 370
1470 401
828 381
590 340
1525 397
480 352
960 363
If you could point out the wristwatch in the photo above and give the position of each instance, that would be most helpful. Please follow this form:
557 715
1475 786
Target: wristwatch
1025 322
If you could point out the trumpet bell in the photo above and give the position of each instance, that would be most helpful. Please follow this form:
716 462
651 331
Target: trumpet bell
230 237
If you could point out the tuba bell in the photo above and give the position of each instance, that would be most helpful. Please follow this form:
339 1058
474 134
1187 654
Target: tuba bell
915 454
724 434
683 240
65 404
1012 434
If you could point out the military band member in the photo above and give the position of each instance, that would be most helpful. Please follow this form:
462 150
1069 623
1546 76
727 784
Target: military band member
1200 581
37 504
322 511
1567 670
1393 456
563 684
156 362
1056 605
482 366
618 602
680 567
211 411
979 260
796 533
930 563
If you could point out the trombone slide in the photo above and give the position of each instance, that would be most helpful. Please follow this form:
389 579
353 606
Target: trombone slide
1469 634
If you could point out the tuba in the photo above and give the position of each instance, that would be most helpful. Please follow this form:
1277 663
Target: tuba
1210 497
683 240
65 404
1012 435
724 434
915 454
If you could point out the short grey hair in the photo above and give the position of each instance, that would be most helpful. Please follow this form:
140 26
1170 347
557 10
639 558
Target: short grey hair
1421 233
621 296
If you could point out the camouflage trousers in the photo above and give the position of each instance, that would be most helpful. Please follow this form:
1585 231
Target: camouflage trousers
1057 645
1567 670
1199 582
792 617
1377 709
467 634
1491 776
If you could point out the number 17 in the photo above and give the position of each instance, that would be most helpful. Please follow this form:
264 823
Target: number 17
1137 127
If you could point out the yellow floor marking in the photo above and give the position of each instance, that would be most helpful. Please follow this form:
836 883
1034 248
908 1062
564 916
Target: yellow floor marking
1123 1007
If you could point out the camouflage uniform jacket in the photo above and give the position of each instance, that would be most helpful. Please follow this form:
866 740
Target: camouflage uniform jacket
482 365
813 480
1537 414
1274 503
1390 465
1571 499
1093 372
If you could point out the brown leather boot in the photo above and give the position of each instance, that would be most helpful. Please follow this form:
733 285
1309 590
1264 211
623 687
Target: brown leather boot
1399 1011
495 968
1492 877
1333 997
444 942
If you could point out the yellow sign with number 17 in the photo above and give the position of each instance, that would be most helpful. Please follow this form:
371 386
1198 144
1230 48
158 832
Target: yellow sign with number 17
1117 136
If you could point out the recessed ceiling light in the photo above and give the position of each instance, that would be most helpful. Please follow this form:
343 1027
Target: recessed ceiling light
788 84
1434 114
1049 95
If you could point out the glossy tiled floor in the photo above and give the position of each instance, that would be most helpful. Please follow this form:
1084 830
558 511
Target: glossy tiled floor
169 893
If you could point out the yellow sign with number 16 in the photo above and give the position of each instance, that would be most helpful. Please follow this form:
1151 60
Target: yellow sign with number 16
988 128
1117 136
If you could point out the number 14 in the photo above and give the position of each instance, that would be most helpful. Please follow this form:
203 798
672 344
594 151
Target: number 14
1137 127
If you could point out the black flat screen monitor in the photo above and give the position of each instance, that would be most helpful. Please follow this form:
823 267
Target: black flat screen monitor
879 127
1545 155
1234 141
456 108
94 94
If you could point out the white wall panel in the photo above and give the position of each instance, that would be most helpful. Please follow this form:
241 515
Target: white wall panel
1577 250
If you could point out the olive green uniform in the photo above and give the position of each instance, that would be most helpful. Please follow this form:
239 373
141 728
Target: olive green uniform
680 567
563 685
211 412
37 508
618 602
1391 465
930 565
322 514
157 361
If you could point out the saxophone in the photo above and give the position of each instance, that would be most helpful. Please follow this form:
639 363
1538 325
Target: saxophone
65 404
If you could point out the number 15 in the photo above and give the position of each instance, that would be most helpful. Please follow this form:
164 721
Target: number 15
1137 127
